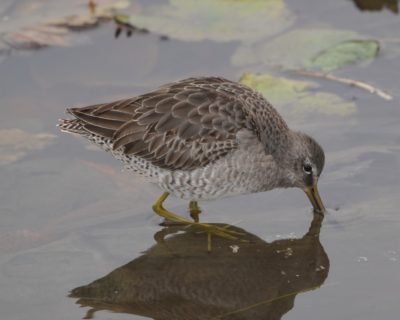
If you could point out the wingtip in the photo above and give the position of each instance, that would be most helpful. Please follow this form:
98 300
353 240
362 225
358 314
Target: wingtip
60 122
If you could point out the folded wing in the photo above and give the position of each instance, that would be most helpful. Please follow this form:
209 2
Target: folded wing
183 125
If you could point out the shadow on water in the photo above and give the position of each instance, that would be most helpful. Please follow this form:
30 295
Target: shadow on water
178 279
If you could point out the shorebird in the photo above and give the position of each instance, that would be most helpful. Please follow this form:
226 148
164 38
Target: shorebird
203 138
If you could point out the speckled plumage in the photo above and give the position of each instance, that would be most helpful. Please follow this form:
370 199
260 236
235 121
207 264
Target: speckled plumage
199 138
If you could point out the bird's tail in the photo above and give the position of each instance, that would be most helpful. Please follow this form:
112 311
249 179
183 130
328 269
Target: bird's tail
71 126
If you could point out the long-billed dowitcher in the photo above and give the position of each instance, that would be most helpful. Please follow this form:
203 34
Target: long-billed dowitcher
203 138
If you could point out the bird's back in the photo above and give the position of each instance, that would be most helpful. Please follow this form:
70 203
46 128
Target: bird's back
182 125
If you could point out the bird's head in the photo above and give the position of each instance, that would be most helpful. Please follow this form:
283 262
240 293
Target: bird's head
305 161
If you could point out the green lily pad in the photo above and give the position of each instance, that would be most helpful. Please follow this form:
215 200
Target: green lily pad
294 98
323 49
347 52
222 20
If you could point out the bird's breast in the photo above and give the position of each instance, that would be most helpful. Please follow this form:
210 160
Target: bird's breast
246 170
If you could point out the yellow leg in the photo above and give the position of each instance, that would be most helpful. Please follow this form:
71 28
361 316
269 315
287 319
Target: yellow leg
194 210
210 229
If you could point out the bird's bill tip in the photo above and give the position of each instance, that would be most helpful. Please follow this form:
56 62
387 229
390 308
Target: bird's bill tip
315 199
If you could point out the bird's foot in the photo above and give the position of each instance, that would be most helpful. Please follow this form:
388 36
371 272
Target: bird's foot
194 210
174 219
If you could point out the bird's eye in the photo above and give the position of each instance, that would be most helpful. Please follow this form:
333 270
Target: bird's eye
307 168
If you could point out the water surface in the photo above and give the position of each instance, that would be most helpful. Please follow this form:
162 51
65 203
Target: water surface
69 216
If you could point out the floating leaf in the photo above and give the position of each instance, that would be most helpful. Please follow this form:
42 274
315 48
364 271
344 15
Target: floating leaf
97 14
36 37
15 144
295 98
25 27
222 20
319 48
76 22
346 52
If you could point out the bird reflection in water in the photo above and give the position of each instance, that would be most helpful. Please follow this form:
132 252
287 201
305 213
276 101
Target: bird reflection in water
177 279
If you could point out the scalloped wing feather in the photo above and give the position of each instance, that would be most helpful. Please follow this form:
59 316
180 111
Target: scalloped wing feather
181 126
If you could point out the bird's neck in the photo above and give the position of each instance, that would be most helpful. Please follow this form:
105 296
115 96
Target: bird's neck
270 127
276 138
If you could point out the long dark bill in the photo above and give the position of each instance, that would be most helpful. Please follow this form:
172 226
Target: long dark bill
315 199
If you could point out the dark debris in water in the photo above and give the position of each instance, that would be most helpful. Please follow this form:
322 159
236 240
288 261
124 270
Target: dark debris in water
122 25
377 5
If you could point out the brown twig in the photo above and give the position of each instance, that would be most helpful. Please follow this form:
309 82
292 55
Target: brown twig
92 7
351 82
